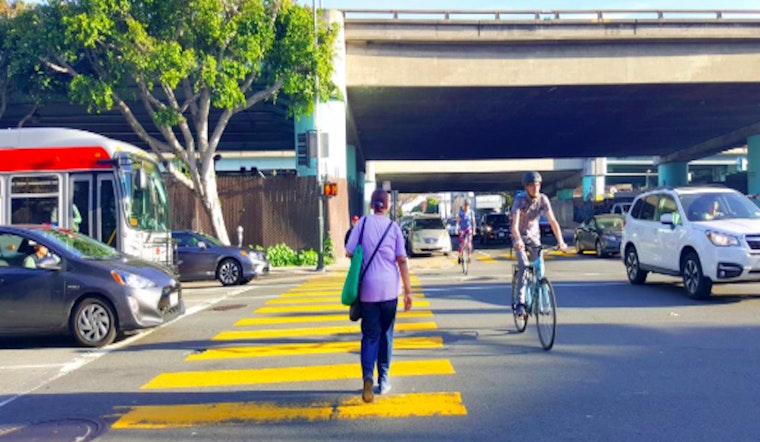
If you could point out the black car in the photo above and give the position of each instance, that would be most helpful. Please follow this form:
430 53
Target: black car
601 233
203 257
494 227
54 280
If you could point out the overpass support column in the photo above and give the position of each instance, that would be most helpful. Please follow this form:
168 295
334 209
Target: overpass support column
673 174
594 171
370 184
753 165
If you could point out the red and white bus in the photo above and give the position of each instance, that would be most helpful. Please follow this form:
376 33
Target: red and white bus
103 188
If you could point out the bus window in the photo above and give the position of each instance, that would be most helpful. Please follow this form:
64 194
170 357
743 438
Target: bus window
33 198
108 214
81 197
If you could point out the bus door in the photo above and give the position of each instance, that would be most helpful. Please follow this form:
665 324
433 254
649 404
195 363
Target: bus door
3 200
81 212
107 213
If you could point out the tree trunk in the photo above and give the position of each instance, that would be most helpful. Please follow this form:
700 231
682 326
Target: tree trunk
213 208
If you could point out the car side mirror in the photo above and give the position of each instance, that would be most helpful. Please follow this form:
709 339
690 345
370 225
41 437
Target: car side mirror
48 263
202 245
666 218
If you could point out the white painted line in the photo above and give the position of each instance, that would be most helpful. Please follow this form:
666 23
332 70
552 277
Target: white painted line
29 367
95 354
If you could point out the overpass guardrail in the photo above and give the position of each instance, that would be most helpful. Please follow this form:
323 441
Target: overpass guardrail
585 15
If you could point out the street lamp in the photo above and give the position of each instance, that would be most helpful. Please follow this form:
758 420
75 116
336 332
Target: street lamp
321 203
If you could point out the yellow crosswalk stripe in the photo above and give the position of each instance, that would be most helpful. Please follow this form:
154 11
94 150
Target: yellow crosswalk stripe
313 331
306 294
246 413
267 350
227 378
322 308
321 318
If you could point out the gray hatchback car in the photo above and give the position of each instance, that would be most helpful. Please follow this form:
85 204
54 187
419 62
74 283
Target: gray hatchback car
53 280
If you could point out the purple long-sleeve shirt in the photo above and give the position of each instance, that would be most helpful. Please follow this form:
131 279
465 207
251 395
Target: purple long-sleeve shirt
382 281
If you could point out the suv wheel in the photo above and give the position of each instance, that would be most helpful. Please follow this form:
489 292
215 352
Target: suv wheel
632 267
578 248
694 281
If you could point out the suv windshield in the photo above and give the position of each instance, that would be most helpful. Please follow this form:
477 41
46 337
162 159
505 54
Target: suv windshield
428 224
718 205
498 220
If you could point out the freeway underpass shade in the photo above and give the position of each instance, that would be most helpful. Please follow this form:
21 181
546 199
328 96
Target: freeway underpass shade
231 378
264 350
246 413
313 331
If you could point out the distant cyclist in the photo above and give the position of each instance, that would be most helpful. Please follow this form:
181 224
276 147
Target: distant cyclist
526 236
465 224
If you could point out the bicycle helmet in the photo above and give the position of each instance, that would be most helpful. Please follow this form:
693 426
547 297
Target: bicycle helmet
531 177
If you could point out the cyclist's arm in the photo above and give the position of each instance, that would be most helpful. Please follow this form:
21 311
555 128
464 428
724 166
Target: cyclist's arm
556 229
517 241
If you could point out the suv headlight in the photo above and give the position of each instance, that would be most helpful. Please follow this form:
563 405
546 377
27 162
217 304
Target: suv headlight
722 239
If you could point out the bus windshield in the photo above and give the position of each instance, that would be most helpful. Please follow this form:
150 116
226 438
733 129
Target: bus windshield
147 205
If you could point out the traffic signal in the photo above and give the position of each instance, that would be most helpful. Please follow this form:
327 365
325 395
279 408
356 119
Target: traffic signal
330 189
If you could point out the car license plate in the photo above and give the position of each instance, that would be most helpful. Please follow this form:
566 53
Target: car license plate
173 299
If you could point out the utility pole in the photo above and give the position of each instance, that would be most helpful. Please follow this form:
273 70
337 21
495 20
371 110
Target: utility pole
320 182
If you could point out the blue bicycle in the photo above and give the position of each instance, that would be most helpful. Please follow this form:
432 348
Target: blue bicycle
539 301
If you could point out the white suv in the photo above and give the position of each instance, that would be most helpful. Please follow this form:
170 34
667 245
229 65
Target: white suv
705 235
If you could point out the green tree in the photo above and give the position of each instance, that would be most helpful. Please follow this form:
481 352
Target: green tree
180 59
8 11
432 205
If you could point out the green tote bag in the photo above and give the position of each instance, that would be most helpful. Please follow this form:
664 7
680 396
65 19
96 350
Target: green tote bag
351 284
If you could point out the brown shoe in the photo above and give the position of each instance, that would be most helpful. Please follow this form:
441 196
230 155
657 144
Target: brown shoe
367 394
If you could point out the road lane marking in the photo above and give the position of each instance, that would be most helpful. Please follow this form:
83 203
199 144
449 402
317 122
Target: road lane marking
317 294
312 331
322 308
246 413
267 350
321 318
278 375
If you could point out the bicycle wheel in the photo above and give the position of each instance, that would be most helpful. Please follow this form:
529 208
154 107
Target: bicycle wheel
521 321
545 308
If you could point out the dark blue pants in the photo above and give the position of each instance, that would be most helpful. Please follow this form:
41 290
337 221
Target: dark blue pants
378 319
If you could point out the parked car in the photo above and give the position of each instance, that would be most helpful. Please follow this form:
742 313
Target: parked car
494 227
426 234
705 235
600 233
620 208
203 257
451 226
79 285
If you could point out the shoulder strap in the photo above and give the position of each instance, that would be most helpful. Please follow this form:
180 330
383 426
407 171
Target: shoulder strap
364 270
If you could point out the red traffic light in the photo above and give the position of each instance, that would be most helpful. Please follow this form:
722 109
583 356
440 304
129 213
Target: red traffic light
330 189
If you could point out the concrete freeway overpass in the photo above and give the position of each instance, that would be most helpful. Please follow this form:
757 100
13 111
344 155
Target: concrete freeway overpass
498 86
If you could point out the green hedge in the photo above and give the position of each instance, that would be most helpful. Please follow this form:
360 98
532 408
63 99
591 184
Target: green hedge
281 255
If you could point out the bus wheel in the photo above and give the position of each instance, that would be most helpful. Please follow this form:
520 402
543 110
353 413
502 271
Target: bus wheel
229 272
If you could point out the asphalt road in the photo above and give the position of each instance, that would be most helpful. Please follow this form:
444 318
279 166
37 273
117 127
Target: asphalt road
277 360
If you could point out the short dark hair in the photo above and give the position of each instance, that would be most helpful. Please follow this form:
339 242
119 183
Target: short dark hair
379 199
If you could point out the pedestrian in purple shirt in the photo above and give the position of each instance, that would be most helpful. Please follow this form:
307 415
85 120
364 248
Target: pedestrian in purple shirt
379 290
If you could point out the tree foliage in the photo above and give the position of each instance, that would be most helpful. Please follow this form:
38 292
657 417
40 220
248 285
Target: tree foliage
180 59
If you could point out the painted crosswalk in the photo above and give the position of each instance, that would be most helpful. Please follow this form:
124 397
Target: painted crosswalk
280 339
